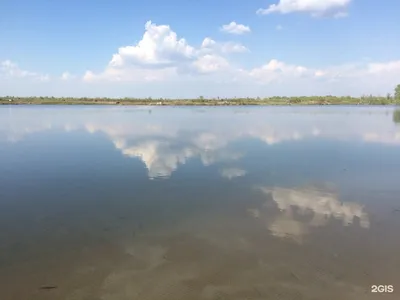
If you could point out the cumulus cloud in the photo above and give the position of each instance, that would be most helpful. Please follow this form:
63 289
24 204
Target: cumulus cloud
208 43
157 56
389 67
235 28
44 77
162 61
67 76
9 69
162 55
336 8
228 47
210 63
159 46
275 69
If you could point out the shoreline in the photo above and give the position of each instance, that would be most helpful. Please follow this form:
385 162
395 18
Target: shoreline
271 101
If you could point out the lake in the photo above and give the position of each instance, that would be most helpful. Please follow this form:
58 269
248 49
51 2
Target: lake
187 203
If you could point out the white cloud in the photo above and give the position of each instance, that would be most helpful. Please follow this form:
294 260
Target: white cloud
67 76
389 67
210 63
162 64
159 46
88 76
131 74
44 78
210 45
9 69
276 69
233 48
316 7
235 28
319 73
161 55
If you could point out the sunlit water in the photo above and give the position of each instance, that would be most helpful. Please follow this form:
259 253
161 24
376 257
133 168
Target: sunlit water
118 203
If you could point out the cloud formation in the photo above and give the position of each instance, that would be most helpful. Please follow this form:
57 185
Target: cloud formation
275 70
9 69
165 145
209 45
163 64
164 57
67 76
336 8
235 28
159 46
317 206
163 151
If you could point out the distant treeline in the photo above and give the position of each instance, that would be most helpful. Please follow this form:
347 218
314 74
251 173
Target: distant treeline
309 100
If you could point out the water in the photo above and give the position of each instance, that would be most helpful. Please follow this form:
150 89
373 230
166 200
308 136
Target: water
118 203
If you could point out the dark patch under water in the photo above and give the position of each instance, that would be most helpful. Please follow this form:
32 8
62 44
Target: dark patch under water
117 203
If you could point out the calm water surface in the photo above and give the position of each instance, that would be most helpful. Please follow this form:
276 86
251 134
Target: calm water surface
118 203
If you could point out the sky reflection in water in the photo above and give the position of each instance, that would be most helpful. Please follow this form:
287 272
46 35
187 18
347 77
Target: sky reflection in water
227 181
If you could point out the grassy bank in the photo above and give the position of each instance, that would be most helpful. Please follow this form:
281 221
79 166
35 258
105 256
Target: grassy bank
314 100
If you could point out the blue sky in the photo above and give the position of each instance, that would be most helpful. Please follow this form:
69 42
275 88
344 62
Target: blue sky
268 47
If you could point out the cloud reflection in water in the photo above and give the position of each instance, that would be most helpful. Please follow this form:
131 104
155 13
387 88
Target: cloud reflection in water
319 204
164 142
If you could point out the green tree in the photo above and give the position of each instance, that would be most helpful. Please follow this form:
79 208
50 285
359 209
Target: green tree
397 92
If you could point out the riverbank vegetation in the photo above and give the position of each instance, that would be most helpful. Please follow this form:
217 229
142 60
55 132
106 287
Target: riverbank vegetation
310 100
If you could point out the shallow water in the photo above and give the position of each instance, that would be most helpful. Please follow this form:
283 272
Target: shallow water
118 203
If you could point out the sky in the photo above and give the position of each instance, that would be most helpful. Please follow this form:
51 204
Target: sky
193 48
